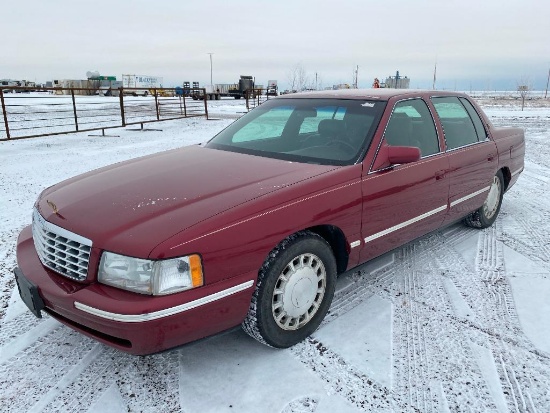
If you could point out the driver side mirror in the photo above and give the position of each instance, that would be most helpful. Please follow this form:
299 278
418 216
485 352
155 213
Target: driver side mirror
394 155
403 154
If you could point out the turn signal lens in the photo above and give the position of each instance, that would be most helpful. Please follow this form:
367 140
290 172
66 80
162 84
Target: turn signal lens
195 267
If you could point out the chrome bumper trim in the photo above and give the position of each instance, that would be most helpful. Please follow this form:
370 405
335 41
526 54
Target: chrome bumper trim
139 318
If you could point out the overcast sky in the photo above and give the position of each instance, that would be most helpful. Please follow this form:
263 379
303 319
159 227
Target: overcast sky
480 44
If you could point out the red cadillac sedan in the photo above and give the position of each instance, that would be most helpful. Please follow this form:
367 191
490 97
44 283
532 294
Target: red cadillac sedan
254 227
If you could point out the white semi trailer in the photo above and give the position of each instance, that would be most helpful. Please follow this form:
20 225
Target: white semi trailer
142 82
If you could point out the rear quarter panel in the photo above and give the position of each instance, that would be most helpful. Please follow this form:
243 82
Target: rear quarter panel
511 151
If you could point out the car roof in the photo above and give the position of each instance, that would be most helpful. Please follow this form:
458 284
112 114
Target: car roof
369 94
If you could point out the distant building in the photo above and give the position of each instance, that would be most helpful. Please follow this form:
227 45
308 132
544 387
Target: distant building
341 86
397 82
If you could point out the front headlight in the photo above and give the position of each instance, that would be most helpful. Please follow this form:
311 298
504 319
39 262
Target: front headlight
149 276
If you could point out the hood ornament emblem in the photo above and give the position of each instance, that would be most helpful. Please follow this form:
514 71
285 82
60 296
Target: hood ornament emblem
54 208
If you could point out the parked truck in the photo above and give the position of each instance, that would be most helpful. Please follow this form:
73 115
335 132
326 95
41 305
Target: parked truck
212 92
245 83
272 89
142 83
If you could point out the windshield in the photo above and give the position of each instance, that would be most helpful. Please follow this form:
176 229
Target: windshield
325 131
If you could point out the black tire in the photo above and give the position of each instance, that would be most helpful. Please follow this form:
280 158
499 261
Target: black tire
287 306
486 215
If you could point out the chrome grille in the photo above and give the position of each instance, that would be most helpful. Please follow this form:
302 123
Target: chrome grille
63 251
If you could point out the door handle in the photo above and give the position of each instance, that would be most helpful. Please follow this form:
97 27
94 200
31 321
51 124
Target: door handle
440 175
491 157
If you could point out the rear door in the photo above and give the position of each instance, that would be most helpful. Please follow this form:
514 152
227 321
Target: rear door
473 158
403 202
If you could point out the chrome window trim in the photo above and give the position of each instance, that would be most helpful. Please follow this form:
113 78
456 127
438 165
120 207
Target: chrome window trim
447 150
371 171
465 146
140 318
478 115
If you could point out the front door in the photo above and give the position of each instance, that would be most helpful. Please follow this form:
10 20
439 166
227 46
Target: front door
403 202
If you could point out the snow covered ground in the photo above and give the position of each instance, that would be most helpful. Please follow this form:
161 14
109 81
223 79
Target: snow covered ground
456 321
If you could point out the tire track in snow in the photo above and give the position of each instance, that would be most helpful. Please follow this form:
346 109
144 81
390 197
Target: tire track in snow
143 383
35 371
341 377
67 379
528 220
24 340
496 326
529 237
511 360
414 285
432 366
302 405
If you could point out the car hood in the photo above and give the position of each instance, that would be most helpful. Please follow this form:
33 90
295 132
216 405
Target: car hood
131 207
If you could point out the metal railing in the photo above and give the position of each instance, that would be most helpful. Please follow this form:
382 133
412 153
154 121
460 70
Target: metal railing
255 97
53 111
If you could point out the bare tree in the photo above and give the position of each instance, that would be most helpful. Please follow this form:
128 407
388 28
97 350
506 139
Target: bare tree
297 78
524 89
318 82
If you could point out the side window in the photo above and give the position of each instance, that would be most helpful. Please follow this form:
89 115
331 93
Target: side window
267 126
411 124
457 125
478 124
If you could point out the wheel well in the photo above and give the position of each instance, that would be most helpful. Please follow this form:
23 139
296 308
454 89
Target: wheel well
337 241
507 175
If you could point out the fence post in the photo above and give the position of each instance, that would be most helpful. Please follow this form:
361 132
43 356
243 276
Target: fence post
121 99
74 110
184 107
205 104
157 103
5 113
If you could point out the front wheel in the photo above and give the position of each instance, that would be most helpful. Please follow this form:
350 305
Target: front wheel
488 212
295 288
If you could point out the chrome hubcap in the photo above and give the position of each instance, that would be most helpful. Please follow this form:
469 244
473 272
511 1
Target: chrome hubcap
299 292
491 203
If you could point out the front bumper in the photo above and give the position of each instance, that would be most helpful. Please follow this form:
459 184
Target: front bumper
134 323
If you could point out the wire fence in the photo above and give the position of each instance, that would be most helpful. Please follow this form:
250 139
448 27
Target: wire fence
56 111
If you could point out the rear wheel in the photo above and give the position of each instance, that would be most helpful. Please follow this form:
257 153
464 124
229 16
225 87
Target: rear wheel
486 215
295 288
